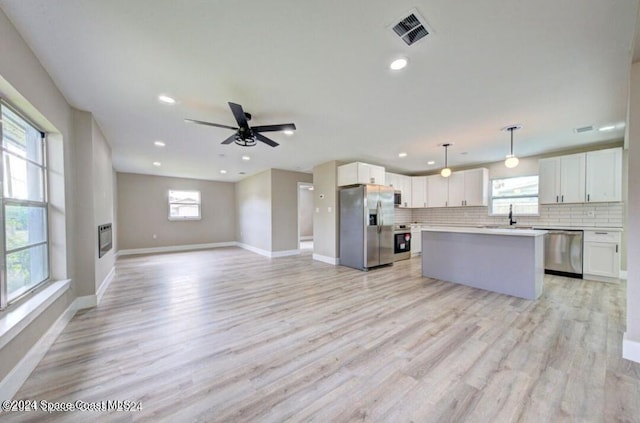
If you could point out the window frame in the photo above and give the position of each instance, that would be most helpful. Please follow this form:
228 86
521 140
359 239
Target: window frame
491 197
184 218
7 201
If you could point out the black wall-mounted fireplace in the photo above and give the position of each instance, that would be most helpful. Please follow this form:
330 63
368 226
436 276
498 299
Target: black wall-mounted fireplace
105 241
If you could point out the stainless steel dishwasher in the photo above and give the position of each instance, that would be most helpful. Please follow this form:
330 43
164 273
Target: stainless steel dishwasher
563 252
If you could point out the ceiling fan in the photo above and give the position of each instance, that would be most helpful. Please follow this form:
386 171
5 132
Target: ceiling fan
247 136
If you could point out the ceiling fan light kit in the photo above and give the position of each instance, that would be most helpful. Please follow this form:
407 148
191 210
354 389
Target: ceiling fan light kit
511 160
247 136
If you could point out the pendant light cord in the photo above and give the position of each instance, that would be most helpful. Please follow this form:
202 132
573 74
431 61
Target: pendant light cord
511 130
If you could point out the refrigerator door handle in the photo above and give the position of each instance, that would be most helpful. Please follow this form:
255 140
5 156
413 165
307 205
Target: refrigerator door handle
380 218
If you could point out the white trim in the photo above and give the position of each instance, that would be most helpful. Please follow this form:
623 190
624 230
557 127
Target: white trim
12 382
16 319
285 253
105 284
87 301
598 278
623 274
270 254
254 249
630 349
306 238
325 259
175 248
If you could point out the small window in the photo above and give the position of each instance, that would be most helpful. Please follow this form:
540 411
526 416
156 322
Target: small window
520 192
184 205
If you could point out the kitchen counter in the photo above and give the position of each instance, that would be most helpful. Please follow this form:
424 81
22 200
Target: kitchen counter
507 261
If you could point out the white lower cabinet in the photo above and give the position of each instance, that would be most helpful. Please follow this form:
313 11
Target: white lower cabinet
416 240
601 257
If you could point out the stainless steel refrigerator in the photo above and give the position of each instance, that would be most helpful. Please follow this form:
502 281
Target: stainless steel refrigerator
366 226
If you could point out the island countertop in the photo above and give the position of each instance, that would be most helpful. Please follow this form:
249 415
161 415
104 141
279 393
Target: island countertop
485 231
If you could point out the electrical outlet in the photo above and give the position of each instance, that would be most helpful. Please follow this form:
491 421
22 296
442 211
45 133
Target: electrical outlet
317 209
329 209
155 236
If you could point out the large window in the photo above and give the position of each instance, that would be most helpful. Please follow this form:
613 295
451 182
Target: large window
184 205
25 243
520 192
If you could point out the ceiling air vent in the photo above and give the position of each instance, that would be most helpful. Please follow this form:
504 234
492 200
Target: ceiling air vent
411 28
584 129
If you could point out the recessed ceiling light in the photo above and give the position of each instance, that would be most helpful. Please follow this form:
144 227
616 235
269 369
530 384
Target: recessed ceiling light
607 128
402 154
431 162
166 99
288 132
159 143
398 64
157 164
223 171
246 158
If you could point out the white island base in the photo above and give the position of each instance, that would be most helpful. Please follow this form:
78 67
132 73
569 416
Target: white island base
507 261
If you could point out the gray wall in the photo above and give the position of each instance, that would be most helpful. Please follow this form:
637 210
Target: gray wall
633 228
284 204
143 210
326 239
25 83
305 212
253 208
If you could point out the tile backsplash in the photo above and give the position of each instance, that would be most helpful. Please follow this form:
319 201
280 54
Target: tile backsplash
579 215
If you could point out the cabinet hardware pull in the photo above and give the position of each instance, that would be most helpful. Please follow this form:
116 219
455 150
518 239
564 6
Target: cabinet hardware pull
557 199
602 233
616 248
588 197
563 198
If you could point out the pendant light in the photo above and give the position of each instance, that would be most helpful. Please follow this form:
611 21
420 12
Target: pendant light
445 172
511 161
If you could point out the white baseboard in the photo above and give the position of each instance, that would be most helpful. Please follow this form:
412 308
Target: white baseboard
600 278
623 274
87 301
105 284
306 238
270 254
176 248
325 259
630 349
19 374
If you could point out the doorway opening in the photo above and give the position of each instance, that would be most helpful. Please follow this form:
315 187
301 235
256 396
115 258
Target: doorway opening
305 216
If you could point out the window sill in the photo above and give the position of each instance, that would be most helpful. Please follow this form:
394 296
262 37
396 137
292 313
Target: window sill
15 318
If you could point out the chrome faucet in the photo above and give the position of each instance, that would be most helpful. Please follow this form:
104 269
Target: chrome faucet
511 221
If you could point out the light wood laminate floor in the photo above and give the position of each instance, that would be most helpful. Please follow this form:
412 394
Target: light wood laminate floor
227 335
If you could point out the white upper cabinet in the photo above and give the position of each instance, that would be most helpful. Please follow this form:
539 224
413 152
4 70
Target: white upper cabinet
562 179
604 175
418 191
595 176
400 183
469 188
437 191
360 173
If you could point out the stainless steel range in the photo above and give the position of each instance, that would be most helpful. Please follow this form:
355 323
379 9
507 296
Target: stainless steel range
401 242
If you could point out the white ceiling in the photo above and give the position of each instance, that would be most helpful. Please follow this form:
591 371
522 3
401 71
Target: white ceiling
549 65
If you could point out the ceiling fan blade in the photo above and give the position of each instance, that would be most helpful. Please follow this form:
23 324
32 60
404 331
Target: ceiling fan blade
273 128
200 122
265 140
229 140
238 113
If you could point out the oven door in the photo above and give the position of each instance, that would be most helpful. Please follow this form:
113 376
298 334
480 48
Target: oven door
402 242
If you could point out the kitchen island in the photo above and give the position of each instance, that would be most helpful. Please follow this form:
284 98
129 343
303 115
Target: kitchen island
507 261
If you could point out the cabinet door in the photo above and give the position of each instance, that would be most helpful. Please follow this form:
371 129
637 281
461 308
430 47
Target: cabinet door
476 186
391 180
416 241
348 174
601 259
604 175
549 181
376 175
405 183
437 191
419 191
456 189
572 178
